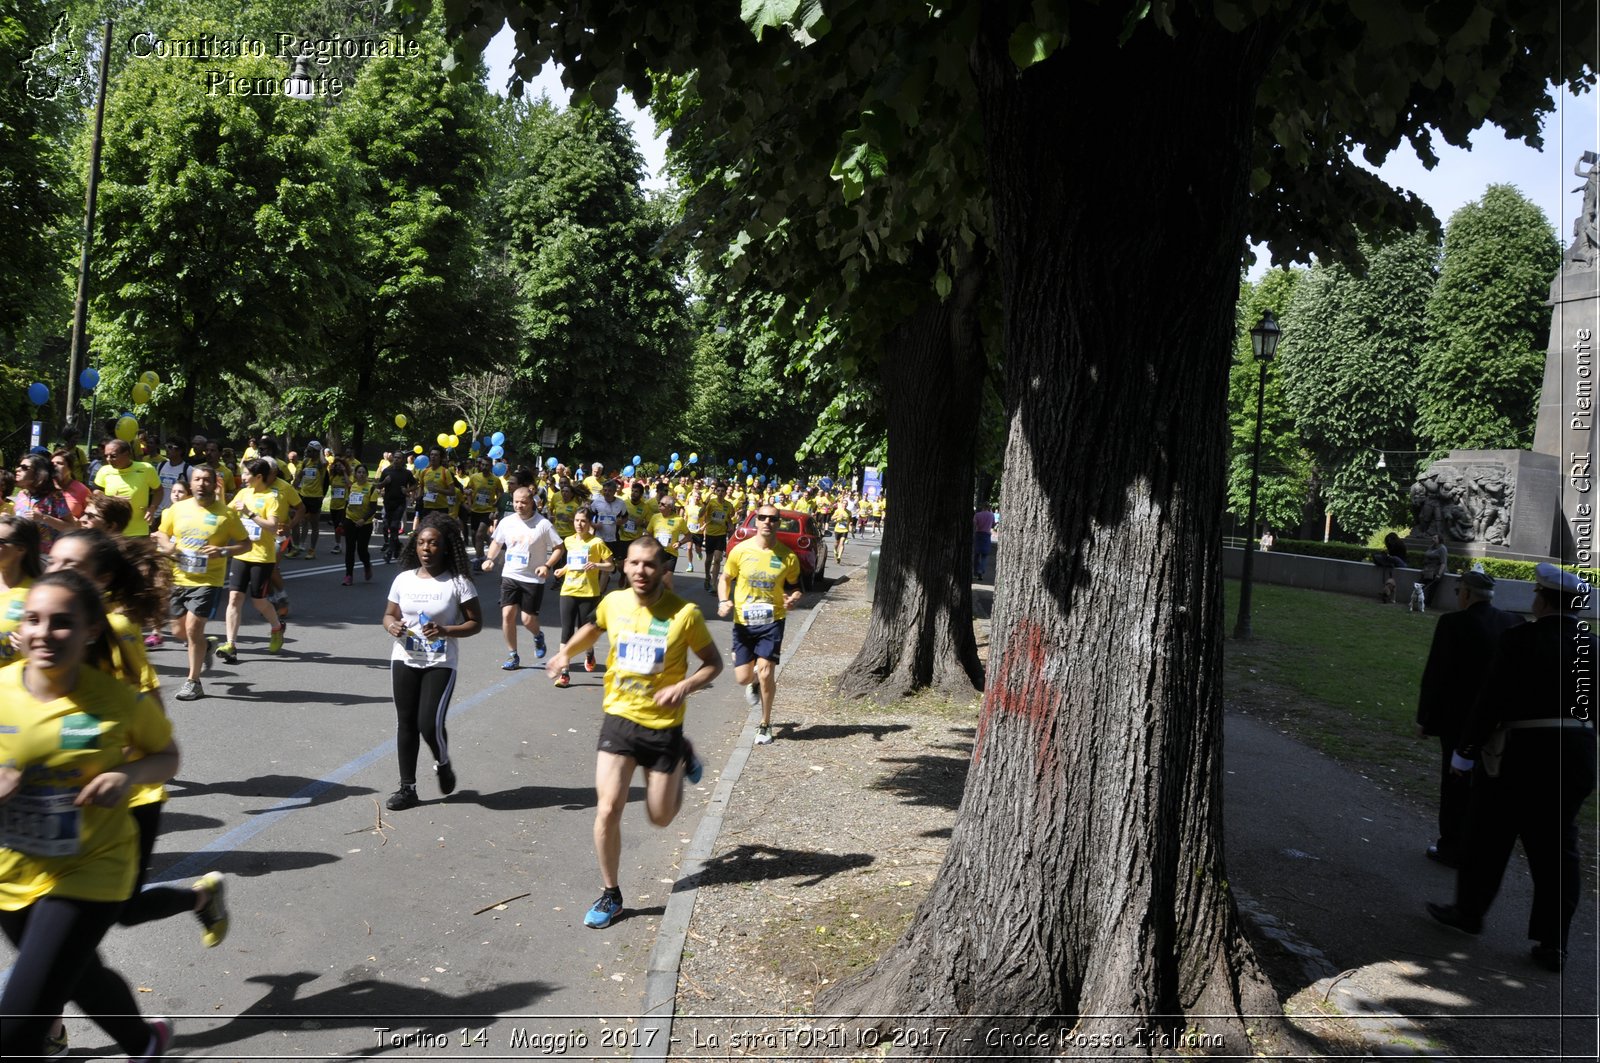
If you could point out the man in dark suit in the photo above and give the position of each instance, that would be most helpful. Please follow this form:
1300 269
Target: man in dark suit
1463 642
1539 699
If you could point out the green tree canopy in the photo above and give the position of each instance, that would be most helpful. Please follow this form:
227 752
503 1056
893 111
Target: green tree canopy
1487 324
1350 354
1285 464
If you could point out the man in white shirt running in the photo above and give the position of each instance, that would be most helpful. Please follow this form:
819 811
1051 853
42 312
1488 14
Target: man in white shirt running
527 540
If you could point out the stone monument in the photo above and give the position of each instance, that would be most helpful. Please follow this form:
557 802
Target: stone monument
1536 505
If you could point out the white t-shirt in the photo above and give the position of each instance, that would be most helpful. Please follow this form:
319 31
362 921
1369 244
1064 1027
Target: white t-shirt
527 546
607 515
170 474
441 599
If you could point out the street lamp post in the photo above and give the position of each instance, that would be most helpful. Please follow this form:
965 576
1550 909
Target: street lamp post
1264 345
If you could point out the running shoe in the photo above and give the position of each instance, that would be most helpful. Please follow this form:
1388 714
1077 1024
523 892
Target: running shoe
160 1040
347 581
190 691
708 581
366 571
538 645
56 1044
764 735
402 799
694 770
311 555
228 654
213 915
288 551
512 661
153 640
691 567
447 778
752 695
275 643
604 911
211 652
336 548
588 662
563 680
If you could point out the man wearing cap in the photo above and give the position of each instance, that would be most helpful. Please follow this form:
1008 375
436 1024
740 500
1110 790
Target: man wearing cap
1530 744
1463 641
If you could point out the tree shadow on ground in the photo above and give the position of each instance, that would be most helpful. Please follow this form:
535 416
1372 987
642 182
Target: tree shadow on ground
363 1004
929 779
523 798
763 863
280 787
815 732
239 862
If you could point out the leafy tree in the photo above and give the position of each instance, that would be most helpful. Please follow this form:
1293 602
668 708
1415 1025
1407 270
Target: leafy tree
1285 464
597 308
1085 873
217 215
1350 353
1487 323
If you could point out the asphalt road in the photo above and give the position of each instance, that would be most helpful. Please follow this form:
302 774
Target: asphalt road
451 930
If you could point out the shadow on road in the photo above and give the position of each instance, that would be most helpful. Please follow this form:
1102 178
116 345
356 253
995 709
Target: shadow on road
760 863
817 732
570 798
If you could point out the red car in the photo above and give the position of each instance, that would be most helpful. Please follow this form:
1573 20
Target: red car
798 531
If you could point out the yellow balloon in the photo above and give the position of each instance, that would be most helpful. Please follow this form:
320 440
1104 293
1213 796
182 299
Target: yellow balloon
455 441
141 392
417 449
127 429
459 428
443 439
149 378
399 420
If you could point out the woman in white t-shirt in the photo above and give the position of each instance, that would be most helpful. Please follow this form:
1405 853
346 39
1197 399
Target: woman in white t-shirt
432 603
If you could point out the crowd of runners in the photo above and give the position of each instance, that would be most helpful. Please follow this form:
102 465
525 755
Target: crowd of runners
105 558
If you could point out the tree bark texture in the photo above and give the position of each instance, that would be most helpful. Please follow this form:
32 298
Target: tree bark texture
920 635
1085 873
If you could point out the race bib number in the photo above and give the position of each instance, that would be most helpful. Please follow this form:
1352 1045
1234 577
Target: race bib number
517 558
642 654
664 538
430 496
336 494
575 564
251 528
757 613
193 562
40 823
605 518
308 477
481 499
630 526
357 497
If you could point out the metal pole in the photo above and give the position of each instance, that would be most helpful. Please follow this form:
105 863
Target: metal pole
80 308
1241 629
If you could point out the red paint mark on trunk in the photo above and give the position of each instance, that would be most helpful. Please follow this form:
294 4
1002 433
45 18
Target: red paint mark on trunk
1022 692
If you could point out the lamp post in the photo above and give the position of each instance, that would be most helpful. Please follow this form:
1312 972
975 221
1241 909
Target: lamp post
1264 345
78 345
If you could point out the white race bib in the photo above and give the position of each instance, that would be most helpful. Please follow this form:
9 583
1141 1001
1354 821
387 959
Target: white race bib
756 613
40 823
356 498
482 498
430 496
192 562
251 528
336 494
630 526
642 654
664 538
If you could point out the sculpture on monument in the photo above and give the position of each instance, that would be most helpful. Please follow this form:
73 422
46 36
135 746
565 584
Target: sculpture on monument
1463 505
1585 250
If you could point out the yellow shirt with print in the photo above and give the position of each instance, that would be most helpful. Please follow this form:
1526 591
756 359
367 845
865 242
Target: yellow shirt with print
650 647
718 511
269 504
483 491
758 577
132 666
693 516
578 583
438 488
135 483
11 604
338 491
362 500
49 846
633 522
311 479
192 526
561 515
668 532
286 494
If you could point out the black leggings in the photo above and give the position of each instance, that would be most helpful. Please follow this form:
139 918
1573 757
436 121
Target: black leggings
57 939
357 537
421 700
575 612
157 902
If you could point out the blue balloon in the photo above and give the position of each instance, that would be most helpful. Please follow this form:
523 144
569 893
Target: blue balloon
38 394
551 463
420 462
637 459
500 468
674 455
627 470
730 463
89 378
769 461
498 439
758 455
694 459
497 452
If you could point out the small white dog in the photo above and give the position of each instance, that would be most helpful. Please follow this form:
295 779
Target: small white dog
1419 604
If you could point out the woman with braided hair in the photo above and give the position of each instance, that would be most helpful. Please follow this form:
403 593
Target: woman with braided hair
432 603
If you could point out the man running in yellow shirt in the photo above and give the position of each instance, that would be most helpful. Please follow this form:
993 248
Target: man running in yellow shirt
652 632
753 586
199 534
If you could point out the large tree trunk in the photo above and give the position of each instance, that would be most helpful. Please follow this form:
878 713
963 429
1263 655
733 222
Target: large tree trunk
921 634
1085 873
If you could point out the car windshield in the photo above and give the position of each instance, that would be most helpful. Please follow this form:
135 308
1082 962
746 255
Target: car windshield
786 525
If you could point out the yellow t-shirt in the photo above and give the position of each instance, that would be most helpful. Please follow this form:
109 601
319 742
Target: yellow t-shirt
268 504
135 483
667 532
758 576
483 491
633 521
286 493
650 649
311 480
191 526
841 520
561 515
718 511
361 502
692 517
593 484
338 491
47 844
136 671
438 488
578 583
11 603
